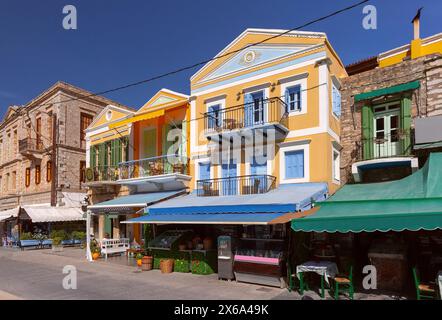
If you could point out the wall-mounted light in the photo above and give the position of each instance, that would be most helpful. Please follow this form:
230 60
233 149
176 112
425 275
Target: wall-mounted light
238 96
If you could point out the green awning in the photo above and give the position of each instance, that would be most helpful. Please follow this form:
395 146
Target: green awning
413 203
390 90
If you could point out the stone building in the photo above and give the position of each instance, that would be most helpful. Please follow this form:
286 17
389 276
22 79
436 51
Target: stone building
26 147
392 112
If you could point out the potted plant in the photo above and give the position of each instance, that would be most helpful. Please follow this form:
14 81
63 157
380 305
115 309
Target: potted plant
139 258
79 236
95 249
57 237
147 261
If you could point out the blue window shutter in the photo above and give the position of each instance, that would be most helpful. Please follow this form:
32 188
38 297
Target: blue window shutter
294 164
336 101
204 169
248 109
214 116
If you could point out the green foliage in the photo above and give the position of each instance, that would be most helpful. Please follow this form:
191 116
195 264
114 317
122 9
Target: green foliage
95 248
56 241
204 264
139 256
26 236
78 235
59 234
182 265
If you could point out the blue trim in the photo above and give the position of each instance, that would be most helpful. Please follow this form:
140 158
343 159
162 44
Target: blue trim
252 218
261 71
219 209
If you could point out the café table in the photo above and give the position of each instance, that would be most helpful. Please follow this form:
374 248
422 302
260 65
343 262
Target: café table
326 269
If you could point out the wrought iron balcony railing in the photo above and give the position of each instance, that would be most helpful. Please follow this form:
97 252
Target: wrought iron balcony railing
241 185
385 146
102 174
250 115
29 145
155 166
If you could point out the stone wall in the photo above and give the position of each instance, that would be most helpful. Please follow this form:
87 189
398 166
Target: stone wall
426 101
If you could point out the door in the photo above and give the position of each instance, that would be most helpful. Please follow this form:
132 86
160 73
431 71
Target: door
214 117
258 170
386 130
148 150
229 182
254 108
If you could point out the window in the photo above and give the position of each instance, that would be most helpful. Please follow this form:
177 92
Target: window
49 119
82 172
48 171
336 101
15 142
27 177
336 167
293 98
294 164
204 171
7 182
38 129
37 174
85 121
14 180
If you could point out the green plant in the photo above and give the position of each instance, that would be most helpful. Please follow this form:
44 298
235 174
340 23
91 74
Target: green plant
78 235
95 248
56 241
59 234
26 236
139 256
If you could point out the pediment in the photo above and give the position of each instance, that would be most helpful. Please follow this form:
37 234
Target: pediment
254 56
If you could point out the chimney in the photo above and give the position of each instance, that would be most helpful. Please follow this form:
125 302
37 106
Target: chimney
416 43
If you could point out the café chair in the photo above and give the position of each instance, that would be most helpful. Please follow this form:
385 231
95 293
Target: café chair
344 284
423 290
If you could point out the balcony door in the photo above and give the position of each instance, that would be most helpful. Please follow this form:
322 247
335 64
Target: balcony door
254 108
386 130
229 182
258 170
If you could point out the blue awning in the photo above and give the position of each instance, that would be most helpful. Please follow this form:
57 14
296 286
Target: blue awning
126 204
231 218
285 198
240 209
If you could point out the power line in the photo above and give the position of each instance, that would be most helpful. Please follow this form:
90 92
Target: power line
189 67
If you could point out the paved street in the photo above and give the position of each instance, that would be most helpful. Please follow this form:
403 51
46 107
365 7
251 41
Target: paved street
37 274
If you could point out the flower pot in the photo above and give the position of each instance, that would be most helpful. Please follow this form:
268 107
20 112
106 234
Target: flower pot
208 243
147 263
182 247
166 265
196 241
95 255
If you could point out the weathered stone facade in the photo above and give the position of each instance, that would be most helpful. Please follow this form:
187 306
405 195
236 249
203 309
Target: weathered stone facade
20 123
426 101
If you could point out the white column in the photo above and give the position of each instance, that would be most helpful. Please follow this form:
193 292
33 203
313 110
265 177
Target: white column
88 236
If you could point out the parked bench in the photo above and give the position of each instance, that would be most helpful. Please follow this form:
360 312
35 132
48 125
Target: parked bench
70 242
29 244
111 246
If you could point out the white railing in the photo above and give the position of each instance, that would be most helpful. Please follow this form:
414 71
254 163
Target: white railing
109 246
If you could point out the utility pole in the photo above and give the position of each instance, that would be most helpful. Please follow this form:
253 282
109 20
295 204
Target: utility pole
54 161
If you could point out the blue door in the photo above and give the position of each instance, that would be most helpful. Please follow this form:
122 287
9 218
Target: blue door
229 183
253 108
214 117
258 170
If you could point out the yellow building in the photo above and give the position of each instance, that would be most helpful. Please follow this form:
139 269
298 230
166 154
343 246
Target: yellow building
136 158
287 87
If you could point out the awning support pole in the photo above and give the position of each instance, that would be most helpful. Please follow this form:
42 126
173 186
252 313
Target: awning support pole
88 236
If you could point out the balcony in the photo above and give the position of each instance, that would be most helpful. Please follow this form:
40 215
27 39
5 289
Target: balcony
168 171
384 157
261 114
30 147
231 186
101 175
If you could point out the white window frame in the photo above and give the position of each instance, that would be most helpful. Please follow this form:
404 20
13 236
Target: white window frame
282 151
197 169
335 84
248 166
220 101
266 95
303 83
336 179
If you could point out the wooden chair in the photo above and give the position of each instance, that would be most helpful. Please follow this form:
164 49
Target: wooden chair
423 290
344 283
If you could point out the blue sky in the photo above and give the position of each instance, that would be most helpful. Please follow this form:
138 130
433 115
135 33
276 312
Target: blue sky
118 42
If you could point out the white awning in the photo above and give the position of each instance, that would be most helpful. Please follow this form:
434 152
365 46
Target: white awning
11 213
54 214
